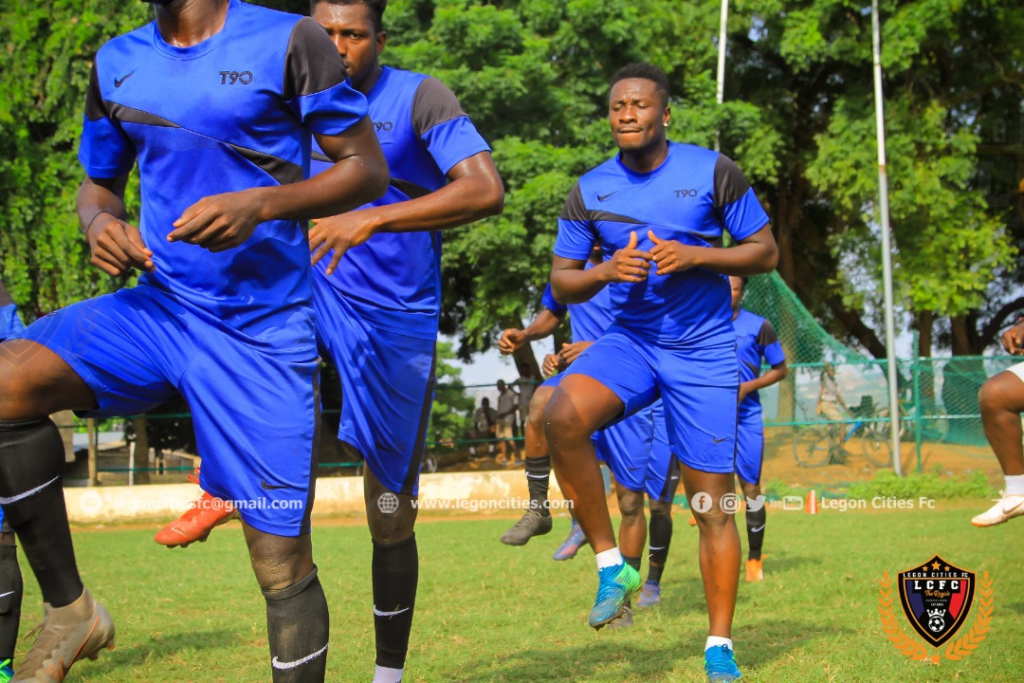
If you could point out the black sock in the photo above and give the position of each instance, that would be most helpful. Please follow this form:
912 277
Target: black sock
32 463
298 627
538 472
660 535
10 601
396 573
755 532
633 562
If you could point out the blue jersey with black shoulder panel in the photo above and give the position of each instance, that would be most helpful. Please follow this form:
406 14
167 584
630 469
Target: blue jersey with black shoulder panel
233 112
394 279
693 197
10 322
755 339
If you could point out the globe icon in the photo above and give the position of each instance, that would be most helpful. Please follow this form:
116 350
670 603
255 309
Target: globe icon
388 503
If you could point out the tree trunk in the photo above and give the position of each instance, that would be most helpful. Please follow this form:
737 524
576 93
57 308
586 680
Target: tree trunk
141 474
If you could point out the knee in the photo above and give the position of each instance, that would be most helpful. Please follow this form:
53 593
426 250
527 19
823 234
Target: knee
538 404
393 527
279 562
563 423
993 397
660 509
631 506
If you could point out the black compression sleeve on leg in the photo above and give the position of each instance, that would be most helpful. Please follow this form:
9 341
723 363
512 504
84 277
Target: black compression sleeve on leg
660 540
755 532
633 562
298 627
396 573
32 494
538 472
10 600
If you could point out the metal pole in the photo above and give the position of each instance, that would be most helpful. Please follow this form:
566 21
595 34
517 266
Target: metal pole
883 202
720 89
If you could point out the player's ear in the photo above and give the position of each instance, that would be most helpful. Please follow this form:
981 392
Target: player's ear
667 115
382 41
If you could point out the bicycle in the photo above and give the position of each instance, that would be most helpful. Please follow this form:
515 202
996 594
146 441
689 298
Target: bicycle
819 446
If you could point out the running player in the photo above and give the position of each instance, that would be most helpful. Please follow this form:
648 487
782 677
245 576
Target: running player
218 100
378 295
636 450
1002 402
657 209
755 339
10 572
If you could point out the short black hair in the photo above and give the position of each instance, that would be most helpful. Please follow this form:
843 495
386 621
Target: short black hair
376 8
646 71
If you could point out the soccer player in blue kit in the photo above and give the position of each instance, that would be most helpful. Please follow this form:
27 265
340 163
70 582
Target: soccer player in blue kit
659 210
755 339
218 101
10 573
377 293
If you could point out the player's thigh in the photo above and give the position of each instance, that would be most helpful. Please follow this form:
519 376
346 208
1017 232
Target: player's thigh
749 447
35 381
699 390
254 411
113 355
1004 391
611 379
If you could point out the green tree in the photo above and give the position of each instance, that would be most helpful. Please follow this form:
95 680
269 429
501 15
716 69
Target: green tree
451 412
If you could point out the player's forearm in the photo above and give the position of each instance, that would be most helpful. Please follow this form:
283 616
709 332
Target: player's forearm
542 327
572 285
350 183
463 201
95 199
775 375
750 258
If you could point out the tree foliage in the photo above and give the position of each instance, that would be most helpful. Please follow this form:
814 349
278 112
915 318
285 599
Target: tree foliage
798 117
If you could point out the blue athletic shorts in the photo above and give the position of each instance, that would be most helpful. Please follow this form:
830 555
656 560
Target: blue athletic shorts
387 388
253 404
750 446
699 388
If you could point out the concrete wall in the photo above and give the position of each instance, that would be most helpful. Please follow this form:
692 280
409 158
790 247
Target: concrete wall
499 493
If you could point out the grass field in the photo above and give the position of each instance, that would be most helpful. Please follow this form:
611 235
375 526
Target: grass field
487 612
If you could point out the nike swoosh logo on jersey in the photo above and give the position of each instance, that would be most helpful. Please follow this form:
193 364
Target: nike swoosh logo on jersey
119 81
278 664
378 613
270 487
719 440
602 197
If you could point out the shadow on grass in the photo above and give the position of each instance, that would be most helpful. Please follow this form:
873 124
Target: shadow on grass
617 660
161 647
598 661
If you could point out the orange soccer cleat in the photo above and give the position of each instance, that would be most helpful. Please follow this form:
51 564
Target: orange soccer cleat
755 572
198 521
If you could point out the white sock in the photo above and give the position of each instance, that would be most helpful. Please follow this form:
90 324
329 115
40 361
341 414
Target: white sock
608 558
1015 485
715 641
385 675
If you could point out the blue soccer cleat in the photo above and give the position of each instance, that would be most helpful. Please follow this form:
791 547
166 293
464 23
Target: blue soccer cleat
650 596
617 585
720 665
572 544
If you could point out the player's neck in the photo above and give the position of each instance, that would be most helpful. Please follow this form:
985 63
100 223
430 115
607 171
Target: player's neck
366 85
647 159
735 313
190 22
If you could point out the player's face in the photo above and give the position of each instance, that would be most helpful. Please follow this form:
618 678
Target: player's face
737 292
352 31
637 114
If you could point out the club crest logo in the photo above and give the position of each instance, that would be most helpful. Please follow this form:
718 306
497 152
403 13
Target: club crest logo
936 598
